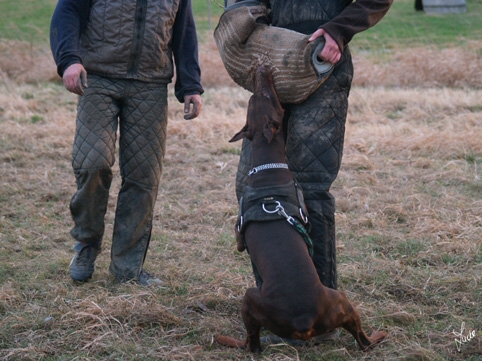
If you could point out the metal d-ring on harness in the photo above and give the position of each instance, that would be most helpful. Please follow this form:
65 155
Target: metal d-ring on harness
294 223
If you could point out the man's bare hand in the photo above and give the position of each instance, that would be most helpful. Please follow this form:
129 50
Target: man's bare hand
196 102
75 79
330 52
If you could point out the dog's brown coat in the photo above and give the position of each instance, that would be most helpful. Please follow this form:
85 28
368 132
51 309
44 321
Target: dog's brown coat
291 302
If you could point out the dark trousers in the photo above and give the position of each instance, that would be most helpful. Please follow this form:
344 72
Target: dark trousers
138 110
315 132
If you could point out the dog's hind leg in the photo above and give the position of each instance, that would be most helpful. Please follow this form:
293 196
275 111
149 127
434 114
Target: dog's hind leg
250 308
352 323
251 311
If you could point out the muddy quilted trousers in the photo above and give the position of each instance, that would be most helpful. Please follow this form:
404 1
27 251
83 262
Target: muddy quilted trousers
139 111
315 134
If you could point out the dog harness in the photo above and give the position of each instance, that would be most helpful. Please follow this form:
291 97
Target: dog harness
273 203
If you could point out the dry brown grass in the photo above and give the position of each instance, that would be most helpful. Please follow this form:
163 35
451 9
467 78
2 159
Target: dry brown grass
409 215
459 67
422 67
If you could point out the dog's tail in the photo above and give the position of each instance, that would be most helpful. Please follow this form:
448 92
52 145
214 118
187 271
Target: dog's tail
229 341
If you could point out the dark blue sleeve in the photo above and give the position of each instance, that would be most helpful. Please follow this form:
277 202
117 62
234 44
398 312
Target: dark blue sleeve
68 22
185 51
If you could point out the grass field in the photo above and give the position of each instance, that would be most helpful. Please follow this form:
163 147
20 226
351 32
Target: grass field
28 20
409 207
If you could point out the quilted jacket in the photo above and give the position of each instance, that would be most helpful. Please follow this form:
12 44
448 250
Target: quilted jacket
342 19
128 39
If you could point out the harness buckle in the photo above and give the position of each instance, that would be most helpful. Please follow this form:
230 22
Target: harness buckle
293 222
281 211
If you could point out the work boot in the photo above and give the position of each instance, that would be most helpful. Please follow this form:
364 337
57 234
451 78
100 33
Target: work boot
144 279
82 265
148 280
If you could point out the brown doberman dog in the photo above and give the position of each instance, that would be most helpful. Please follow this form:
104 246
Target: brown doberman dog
291 302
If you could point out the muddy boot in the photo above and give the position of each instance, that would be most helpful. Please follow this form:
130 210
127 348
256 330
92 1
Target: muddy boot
82 265
88 207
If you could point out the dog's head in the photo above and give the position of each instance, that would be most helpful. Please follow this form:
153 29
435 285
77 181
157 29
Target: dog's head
265 113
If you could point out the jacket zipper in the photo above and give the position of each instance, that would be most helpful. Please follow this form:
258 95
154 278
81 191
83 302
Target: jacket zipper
138 36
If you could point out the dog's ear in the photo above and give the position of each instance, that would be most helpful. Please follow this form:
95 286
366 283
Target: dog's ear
271 127
243 133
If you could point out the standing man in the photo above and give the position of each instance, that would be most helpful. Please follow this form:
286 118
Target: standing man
118 57
315 128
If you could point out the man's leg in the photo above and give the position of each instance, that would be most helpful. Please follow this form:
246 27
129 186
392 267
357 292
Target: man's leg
92 159
314 148
143 124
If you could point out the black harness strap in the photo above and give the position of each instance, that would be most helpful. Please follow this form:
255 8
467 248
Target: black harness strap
288 197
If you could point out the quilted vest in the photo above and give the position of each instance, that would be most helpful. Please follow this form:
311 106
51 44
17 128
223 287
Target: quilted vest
130 39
